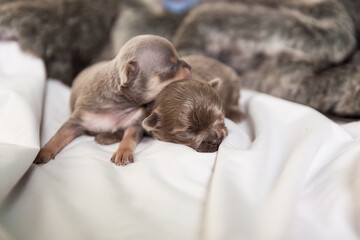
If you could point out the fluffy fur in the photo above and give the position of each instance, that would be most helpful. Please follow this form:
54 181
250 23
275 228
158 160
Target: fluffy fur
191 112
227 87
188 112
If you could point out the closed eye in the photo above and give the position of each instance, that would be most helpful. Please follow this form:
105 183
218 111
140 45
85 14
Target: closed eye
169 73
185 134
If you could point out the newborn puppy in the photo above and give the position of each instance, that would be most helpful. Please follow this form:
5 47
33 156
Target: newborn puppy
106 98
206 69
188 112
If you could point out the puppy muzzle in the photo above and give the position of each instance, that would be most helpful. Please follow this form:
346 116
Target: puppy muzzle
186 68
210 144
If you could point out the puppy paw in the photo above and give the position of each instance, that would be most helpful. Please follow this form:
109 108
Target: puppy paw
107 138
122 157
44 156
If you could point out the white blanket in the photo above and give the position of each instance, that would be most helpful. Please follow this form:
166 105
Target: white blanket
286 172
22 81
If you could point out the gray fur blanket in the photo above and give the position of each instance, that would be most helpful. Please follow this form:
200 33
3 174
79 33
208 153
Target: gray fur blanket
305 51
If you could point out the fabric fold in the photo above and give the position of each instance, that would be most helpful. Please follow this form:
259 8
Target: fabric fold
272 189
22 81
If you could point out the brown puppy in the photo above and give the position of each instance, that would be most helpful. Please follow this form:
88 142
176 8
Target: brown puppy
106 98
188 112
206 69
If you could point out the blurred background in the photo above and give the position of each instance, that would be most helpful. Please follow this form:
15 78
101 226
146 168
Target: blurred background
305 51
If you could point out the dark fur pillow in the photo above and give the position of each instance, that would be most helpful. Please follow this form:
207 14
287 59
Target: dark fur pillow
302 51
67 34
299 50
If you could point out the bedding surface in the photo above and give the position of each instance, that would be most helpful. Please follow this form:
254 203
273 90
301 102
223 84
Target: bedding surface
22 82
286 172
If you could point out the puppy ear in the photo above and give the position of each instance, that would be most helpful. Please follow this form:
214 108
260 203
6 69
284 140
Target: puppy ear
150 122
216 83
129 73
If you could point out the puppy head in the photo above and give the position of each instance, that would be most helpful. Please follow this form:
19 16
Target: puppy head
188 112
147 63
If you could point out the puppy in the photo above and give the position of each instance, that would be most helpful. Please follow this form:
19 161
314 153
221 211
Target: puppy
106 98
206 69
188 112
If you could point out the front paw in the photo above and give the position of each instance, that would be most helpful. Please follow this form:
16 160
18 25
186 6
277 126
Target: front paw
44 156
122 157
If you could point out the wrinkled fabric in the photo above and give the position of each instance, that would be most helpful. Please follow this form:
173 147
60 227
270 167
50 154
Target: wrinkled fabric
22 82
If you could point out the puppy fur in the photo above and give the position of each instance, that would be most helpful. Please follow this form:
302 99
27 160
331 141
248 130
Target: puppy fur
106 98
188 112
207 69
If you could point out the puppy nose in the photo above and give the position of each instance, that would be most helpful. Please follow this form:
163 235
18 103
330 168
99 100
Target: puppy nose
212 134
212 142
185 65
215 142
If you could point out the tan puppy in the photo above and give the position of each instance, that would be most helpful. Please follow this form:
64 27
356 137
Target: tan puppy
191 112
206 69
188 112
106 98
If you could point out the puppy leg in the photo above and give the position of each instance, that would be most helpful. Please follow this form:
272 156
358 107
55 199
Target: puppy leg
109 138
68 132
124 154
